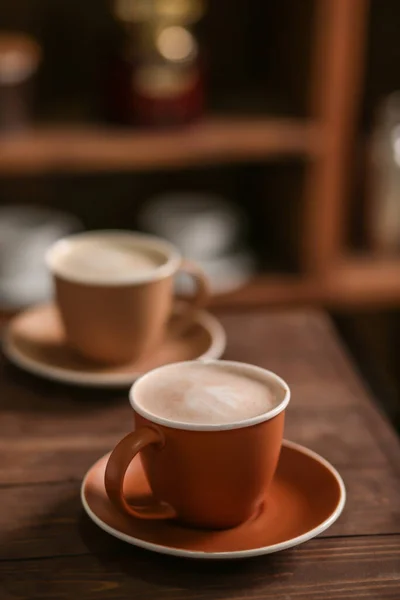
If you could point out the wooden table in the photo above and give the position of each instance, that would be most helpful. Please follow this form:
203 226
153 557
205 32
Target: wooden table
51 434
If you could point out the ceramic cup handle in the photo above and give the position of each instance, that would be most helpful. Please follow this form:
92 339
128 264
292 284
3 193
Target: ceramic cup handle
196 302
117 465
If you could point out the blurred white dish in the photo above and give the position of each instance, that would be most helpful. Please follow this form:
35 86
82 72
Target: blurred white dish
201 225
26 232
225 273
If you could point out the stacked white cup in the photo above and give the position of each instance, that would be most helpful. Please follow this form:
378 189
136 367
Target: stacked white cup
207 229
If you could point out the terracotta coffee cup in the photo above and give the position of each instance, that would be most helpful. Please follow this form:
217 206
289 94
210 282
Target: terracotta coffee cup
118 318
211 476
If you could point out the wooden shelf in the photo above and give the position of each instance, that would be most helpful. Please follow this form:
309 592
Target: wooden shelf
83 148
270 290
365 280
360 282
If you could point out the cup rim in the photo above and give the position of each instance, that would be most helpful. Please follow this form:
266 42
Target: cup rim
266 416
169 267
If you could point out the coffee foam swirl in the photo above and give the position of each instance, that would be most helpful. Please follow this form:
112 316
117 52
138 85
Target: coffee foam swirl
205 394
218 399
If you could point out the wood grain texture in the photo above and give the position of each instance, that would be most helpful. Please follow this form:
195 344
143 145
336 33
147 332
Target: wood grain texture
50 434
40 519
64 457
323 569
44 426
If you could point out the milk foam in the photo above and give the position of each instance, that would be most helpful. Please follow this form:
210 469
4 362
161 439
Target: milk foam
205 394
108 259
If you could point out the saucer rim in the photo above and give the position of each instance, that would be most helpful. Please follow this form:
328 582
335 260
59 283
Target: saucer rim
234 554
112 380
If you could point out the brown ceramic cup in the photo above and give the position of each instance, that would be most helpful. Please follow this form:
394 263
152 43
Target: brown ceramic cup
117 320
211 476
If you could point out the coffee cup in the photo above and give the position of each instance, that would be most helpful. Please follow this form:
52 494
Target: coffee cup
114 291
209 434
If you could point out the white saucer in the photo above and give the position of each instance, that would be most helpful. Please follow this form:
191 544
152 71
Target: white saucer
34 341
225 273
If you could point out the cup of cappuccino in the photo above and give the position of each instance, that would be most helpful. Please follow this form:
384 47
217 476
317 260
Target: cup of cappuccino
209 435
114 290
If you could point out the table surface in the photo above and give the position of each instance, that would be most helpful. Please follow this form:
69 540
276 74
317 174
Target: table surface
50 434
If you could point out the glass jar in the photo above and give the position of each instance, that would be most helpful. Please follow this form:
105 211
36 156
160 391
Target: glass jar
385 185
158 78
19 59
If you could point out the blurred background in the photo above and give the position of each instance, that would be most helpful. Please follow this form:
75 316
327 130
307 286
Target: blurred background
262 138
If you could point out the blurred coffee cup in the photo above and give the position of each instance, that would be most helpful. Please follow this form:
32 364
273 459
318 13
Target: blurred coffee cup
114 291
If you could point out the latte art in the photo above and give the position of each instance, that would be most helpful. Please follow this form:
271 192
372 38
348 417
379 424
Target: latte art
218 399
205 394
